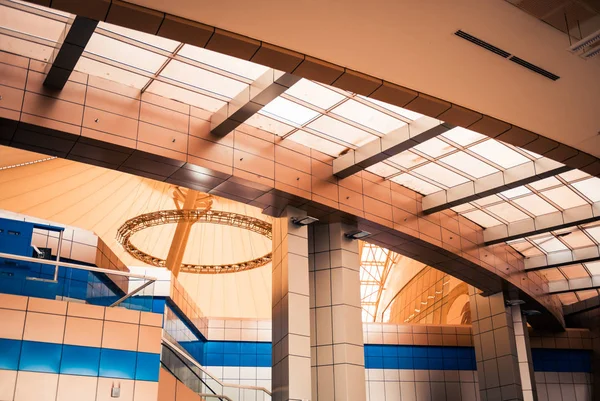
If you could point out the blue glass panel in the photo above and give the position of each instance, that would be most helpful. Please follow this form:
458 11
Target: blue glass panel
117 363
9 353
419 352
40 357
406 363
248 348
83 361
390 362
421 363
405 351
214 360
147 367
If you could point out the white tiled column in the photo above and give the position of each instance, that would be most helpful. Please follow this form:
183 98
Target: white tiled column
524 354
337 347
497 349
291 322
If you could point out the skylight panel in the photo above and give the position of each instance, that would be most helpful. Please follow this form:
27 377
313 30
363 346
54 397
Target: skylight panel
411 115
515 192
125 53
469 164
203 79
590 188
549 243
526 248
573 175
545 183
463 136
114 74
554 275
243 68
382 170
183 95
152 40
269 124
482 218
499 154
435 148
594 232
31 24
574 238
416 184
408 159
567 298
535 205
441 174
564 197
593 268
317 143
368 116
341 131
289 111
574 271
507 212
587 294
315 94
488 200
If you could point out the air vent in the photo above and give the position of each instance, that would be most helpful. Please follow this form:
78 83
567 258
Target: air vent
505 54
482 43
533 68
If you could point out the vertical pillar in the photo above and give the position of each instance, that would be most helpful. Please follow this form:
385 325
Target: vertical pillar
337 347
291 322
524 354
501 349
182 234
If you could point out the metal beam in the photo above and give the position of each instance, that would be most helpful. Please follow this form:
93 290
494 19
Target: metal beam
492 184
563 258
256 96
389 145
65 59
541 224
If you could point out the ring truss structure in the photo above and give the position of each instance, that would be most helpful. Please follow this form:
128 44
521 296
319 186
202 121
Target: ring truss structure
205 215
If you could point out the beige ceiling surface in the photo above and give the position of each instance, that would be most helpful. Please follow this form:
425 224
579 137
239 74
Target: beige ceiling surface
411 43
100 200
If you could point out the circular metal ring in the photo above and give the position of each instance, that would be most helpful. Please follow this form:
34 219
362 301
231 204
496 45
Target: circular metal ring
205 215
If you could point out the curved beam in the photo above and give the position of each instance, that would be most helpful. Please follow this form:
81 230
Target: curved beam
260 169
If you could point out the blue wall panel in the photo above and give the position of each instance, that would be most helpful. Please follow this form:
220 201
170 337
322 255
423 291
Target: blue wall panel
40 357
83 361
10 351
117 363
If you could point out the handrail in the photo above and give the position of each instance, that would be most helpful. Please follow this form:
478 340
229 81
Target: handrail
174 348
57 263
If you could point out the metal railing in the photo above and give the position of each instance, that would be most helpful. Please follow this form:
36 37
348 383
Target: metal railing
93 269
219 388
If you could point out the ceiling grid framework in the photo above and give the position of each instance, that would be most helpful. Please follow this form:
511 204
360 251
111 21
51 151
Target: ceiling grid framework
151 21
331 120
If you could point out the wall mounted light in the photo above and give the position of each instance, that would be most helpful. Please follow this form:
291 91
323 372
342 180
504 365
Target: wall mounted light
304 221
531 312
514 302
357 234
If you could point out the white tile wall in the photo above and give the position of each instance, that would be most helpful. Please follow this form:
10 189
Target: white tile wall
421 385
563 386
239 330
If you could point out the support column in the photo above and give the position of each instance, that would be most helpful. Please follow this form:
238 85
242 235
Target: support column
337 346
524 354
182 234
291 322
502 349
